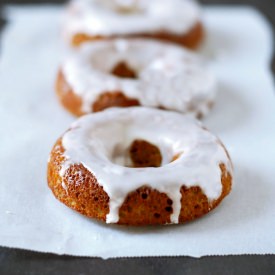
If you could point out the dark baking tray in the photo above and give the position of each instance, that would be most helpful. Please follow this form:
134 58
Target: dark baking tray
15 261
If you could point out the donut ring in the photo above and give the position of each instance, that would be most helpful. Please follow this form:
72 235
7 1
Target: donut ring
124 73
176 21
159 167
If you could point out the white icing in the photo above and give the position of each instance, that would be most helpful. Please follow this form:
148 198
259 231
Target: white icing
124 17
168 75
94 139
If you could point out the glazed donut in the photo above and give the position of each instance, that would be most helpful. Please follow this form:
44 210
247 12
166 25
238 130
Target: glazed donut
132 72
139 166
177 21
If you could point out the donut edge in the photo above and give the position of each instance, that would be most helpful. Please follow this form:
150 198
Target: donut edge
73 103
80 191
192 40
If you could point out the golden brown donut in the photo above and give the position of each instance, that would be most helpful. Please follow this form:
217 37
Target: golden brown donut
135 72
79 188
176 21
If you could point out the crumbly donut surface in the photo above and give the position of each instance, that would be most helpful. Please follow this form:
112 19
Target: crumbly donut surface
73 103
80 190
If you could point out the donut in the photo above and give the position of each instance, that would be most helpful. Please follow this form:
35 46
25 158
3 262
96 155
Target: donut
134 72
139 166
177 21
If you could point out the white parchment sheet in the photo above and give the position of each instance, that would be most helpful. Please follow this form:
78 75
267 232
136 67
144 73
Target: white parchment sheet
239 45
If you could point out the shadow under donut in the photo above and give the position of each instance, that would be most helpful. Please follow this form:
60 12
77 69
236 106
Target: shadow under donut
245 204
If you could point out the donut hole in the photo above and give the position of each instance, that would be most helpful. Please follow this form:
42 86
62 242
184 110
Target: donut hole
130 9
139 154
132 143
113 99
123 70
145 154
125 60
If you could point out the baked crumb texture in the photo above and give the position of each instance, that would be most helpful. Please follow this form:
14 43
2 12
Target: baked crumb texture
73 103
144 206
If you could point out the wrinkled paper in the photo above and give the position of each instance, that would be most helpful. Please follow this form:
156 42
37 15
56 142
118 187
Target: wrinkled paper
239 48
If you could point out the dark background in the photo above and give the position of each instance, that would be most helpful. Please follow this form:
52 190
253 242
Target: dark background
14 261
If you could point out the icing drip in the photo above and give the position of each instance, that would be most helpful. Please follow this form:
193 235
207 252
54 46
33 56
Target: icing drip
200 153
122 17
167 75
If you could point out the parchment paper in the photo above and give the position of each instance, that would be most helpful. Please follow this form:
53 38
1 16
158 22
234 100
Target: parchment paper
239 46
